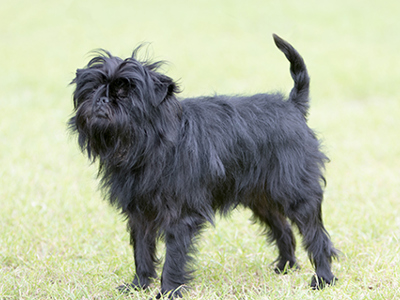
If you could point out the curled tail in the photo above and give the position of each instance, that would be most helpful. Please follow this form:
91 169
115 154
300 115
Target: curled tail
299 95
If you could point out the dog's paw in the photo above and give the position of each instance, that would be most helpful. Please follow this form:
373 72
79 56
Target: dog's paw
172 294
318 283
134 286
125 288
283 269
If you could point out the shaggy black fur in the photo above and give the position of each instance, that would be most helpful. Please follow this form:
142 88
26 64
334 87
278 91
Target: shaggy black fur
170 165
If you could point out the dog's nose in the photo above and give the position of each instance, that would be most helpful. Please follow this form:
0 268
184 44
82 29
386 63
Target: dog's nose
102 100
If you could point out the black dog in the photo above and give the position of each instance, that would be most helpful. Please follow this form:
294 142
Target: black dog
169 165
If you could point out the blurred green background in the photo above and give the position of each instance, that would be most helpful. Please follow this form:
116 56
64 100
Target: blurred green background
59 240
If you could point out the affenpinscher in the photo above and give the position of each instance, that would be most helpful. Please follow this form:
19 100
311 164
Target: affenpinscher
170 164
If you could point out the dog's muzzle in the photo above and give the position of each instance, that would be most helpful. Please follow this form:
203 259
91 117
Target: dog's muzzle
101 107
102 100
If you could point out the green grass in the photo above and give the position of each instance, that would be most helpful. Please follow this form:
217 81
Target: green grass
59 240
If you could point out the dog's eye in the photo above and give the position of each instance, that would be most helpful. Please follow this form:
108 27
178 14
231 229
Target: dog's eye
120 88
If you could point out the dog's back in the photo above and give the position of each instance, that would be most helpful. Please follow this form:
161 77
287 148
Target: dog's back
243 146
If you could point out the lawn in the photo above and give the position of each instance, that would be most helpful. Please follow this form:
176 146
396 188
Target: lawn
60 240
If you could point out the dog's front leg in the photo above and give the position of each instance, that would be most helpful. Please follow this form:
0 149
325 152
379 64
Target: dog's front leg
143 239
179 243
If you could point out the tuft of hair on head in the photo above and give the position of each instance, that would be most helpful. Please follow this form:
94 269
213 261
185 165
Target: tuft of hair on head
143 54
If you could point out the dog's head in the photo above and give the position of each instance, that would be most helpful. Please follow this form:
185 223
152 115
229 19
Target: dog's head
118 104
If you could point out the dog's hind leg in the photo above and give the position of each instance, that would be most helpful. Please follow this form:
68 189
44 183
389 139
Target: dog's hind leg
316 240
179 239
279 232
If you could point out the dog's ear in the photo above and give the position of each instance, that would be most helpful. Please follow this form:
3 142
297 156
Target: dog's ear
164 87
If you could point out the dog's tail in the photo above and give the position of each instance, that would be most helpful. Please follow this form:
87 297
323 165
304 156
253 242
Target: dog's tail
299 95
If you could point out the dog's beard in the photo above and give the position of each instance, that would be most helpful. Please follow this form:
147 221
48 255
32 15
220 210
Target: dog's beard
104 131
